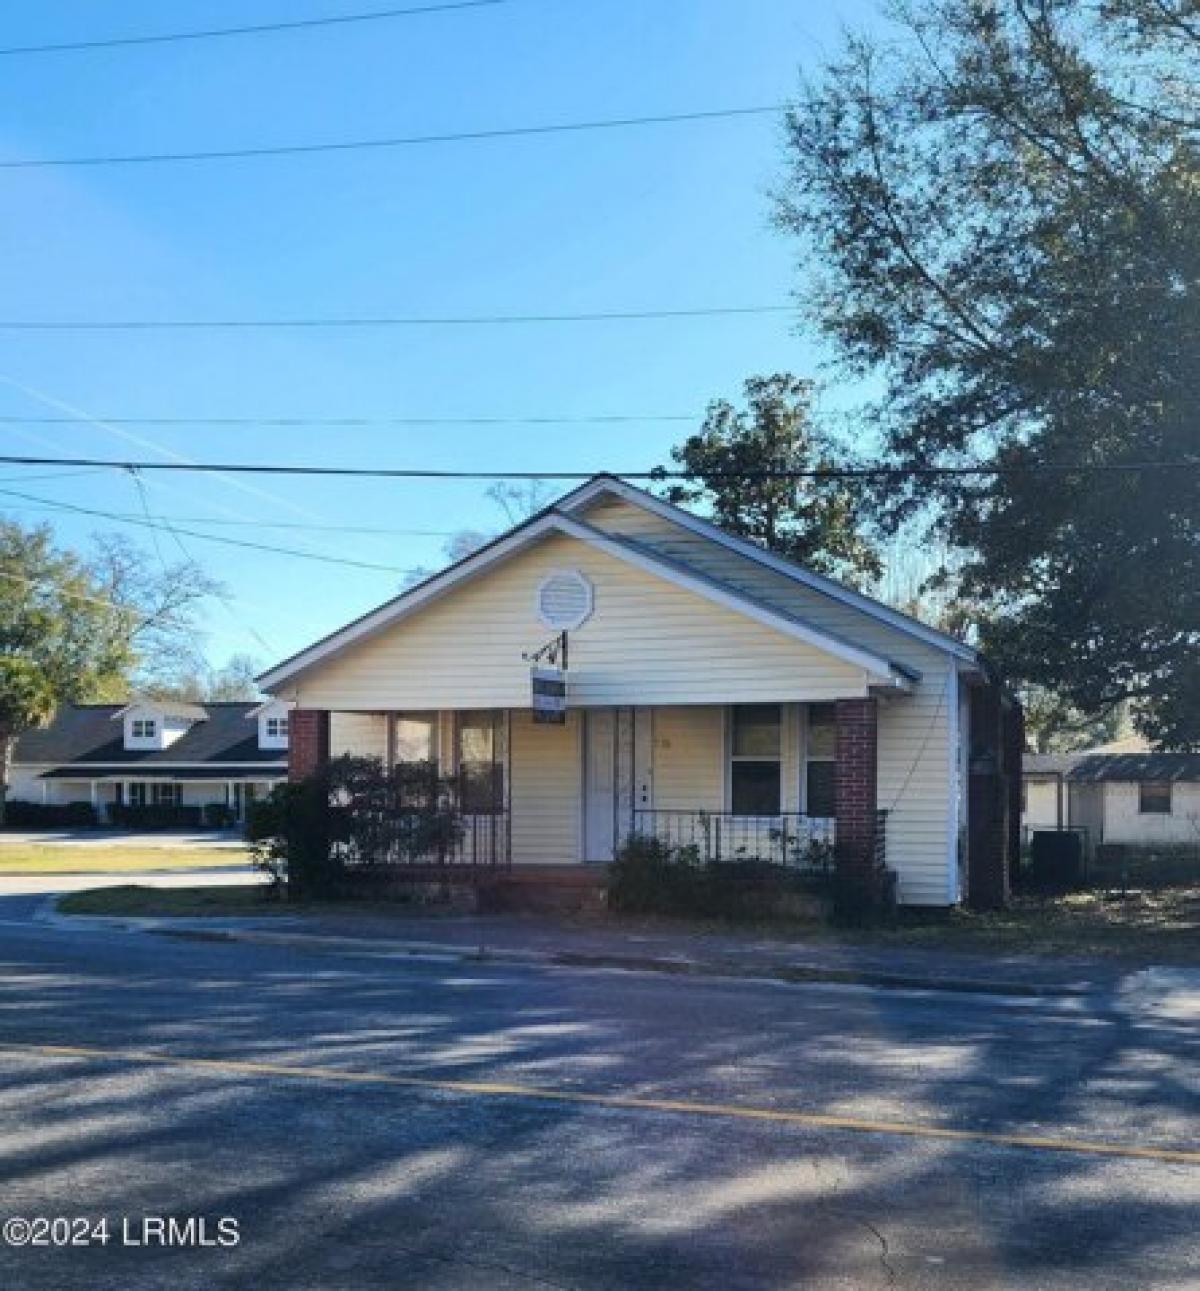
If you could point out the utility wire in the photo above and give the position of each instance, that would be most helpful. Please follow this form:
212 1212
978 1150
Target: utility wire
380 531
382 320
206 537
414 473
258 29
399 141
546 419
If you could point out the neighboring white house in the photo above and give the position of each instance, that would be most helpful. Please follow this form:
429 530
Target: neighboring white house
1118 793
153 753
715 693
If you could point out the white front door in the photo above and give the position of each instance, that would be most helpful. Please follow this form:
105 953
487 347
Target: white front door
599 784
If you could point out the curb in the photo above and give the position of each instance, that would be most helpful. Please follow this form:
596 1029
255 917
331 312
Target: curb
676 965
679 966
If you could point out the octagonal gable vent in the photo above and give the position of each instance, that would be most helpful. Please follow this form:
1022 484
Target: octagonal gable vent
564 599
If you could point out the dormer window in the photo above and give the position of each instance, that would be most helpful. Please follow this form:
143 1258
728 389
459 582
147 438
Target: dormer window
143 728
272 718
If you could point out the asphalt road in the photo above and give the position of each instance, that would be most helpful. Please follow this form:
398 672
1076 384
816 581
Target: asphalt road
681 1143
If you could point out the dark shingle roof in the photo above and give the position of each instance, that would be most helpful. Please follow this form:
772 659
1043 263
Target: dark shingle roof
1048 763
85 734
1092 768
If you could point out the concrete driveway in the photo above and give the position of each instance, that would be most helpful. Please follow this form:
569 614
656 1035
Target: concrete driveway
166 838
374 1123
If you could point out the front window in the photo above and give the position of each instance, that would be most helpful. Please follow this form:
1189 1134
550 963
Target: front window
414 738
754 760
480 772
137 794
820 761
167 795
1154 799
143 728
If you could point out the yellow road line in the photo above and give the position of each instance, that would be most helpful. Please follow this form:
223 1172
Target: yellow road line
501 1089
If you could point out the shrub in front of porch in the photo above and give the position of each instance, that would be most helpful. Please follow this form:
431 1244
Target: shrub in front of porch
353 819
19 814
649 876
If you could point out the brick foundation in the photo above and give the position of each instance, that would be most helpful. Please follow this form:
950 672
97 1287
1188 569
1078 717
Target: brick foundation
856 795
308 741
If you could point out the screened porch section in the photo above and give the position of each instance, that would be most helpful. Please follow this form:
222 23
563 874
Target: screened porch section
754 782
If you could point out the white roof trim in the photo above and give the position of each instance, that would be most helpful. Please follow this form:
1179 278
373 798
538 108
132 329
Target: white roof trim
259 709
554 522
593 489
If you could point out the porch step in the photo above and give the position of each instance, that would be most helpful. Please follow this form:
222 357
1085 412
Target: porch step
545 889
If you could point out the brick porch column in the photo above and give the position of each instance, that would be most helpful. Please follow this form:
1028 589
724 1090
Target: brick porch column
856 797
308 741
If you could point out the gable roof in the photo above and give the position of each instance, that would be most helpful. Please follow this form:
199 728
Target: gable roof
83 735
165 708
600 485
555 520
1094 768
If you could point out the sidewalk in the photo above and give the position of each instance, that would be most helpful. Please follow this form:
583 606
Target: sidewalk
540 939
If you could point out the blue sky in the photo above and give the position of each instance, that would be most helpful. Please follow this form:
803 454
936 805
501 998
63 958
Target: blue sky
667 216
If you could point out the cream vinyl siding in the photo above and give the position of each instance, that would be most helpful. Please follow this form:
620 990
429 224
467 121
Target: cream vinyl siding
1124 823
1041 804
689 759
362 735
647 642
546 786
918 789
917 732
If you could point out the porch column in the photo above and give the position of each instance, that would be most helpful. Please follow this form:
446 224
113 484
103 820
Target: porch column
856 797
308 741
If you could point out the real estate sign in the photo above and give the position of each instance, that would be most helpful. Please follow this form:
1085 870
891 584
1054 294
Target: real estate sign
549 695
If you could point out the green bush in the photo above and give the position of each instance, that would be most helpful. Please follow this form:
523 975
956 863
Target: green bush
217 815
154 816
48 815
353 818
649 876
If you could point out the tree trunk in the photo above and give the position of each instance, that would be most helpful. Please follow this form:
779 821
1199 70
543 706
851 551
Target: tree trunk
8 742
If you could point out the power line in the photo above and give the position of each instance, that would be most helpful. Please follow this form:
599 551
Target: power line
428 320
381 531
545 419
205 537
419 473
400 141
258 29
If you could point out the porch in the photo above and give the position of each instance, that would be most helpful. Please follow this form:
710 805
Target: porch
792 784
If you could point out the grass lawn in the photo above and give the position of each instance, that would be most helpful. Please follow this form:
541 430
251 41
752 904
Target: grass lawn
47 858
165 902
1161 925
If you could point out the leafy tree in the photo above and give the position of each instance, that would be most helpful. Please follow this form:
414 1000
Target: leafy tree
1000 205
26 700
1052 725
74 629
819 524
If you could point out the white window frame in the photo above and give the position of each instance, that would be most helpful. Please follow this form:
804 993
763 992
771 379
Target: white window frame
276 728
732 758
143 728
1156 784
